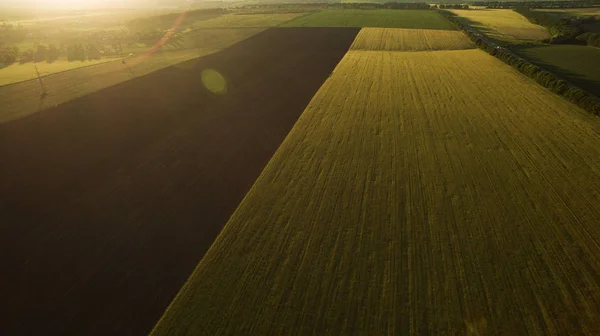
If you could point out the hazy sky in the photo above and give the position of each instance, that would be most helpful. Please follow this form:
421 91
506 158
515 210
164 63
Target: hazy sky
89 3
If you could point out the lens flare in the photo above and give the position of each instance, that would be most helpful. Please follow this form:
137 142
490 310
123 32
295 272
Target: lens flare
214 81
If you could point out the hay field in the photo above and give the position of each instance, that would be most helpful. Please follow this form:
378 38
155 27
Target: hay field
413 196
503 24
393 39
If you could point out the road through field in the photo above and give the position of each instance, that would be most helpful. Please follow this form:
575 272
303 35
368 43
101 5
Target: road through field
424 193
109 201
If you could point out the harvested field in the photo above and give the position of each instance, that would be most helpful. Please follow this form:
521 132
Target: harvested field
393 39
503 24
109 201
413 196
385 18
21 99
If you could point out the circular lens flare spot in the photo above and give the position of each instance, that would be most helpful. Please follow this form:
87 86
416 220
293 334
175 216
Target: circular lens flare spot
214 81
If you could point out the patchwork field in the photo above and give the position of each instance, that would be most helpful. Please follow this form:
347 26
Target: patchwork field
109 201
503 24
413 196
577 64
314 179
393 39
24 98
385 18
208 36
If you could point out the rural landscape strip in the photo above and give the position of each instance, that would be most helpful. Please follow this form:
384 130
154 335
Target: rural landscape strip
25 98
109 201
570 92
413 196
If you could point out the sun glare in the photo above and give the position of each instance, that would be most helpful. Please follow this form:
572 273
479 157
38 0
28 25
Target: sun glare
69 3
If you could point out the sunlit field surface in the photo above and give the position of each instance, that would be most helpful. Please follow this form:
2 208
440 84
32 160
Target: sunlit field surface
393 39
413 196
503 24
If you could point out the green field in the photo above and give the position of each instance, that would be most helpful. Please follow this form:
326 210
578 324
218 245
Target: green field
577 64
385 18
248 20
414 196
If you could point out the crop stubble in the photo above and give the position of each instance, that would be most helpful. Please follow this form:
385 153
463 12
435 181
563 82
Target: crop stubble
397 39
413 195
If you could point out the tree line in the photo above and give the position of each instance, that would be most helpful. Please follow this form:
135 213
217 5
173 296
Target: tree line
564 30
580 97
451 6
50 53
296 7
537 4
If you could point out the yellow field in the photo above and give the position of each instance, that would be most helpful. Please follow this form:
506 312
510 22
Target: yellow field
436 192
503 24
396 39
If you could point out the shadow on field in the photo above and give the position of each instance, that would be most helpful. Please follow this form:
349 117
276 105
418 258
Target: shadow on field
587 84
109 201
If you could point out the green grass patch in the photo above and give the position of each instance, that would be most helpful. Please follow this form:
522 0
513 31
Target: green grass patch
386 18
576 64
248 20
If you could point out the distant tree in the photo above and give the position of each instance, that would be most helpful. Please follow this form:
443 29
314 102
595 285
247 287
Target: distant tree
8 56
26 56
52 54
76 52
93 53
40 53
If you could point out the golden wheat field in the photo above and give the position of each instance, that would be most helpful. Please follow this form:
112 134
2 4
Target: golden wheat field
503 24
397 39
428 192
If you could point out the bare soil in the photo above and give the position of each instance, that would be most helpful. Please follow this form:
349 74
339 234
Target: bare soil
109 201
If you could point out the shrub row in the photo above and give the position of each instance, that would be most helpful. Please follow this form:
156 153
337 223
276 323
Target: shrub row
581 98
451 6
589 38
286 7
537 4
561 29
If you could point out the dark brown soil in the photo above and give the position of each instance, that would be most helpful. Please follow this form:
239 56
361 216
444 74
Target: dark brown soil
108 202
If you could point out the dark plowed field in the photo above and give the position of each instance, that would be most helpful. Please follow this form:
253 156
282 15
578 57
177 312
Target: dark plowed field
108 202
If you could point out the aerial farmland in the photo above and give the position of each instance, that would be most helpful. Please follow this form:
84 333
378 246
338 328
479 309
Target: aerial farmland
302 169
